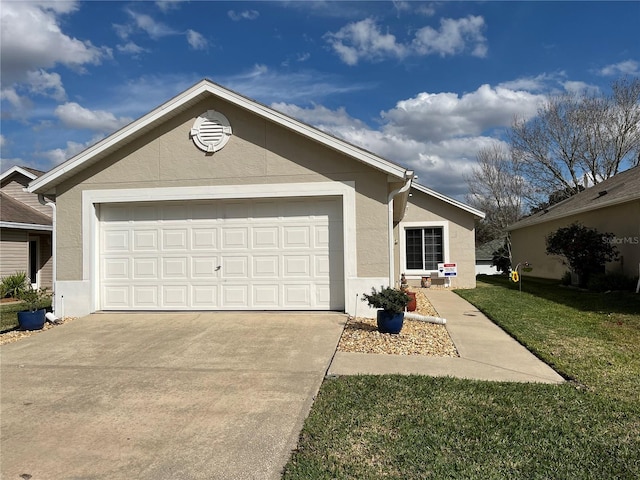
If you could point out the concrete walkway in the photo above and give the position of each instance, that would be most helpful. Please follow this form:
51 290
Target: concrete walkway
486 351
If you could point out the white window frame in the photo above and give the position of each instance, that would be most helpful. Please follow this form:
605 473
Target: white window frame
403 227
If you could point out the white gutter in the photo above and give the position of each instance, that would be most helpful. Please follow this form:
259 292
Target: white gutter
52 204
404 188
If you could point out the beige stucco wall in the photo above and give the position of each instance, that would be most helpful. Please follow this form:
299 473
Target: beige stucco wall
528 244
258 152
425 208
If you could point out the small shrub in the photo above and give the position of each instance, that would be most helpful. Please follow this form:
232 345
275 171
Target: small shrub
388 299
611 281
13 285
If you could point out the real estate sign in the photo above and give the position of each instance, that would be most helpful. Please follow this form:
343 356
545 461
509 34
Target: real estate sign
447 269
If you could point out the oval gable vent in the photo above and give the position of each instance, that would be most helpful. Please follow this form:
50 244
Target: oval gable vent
211 131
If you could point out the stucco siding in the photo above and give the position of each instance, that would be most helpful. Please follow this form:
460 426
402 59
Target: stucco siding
423 208
528 243
259 152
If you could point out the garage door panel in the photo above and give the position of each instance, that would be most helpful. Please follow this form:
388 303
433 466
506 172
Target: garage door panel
146 239
235 296
115 241
115 268
296 237
174 296
204 267
145 296
145 268
235 267
204 296
265 238
234 238
266 266
175 268
175 239
266 296
204 239
265 254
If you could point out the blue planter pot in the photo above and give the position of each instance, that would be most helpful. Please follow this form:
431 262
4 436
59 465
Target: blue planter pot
31 320
390 322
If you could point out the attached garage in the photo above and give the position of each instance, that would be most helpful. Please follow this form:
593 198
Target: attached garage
270 254
213 201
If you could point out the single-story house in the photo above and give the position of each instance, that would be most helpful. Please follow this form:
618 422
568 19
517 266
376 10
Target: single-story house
213 201
610 206
25 229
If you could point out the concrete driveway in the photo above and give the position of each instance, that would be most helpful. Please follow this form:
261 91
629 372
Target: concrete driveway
162 396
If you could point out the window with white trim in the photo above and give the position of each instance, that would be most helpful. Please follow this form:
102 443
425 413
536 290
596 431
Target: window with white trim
422 246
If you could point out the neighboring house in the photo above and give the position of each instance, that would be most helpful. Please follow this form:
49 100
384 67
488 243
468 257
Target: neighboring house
484 257
25 229
610 206
213 201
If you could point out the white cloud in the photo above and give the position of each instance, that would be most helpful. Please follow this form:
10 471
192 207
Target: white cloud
580 87
31 39
131 48
75 116
438 116
59 155
452 38
3 140
196 40
21 104
628 67
47 84
168 5
244 15
147 24
365 40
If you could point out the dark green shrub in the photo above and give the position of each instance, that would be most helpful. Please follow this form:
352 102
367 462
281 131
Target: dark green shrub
388 299
584 249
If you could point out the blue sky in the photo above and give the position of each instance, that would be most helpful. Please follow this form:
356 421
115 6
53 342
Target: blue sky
424 84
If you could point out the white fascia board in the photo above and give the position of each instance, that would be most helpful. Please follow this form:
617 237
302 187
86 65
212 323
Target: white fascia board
201 87
26 226
17 169
451 201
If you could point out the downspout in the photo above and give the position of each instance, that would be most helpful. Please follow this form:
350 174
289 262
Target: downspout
404 188
54 262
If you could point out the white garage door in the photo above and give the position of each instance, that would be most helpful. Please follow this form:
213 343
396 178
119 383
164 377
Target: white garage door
222 255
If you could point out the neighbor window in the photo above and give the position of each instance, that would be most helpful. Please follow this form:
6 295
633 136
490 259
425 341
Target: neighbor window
424 248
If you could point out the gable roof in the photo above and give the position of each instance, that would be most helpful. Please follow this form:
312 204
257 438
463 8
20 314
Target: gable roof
30 173
485 251
201 90
621 188
15 214
449 200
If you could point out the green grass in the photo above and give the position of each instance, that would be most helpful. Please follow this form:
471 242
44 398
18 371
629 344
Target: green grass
413 427
9 314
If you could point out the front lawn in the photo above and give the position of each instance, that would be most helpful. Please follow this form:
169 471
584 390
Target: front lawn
413 427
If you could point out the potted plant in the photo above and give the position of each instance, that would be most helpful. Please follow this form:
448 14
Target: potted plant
391 304
32 317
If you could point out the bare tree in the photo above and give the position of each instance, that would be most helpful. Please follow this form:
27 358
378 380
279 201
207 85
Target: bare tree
574 136
497 188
